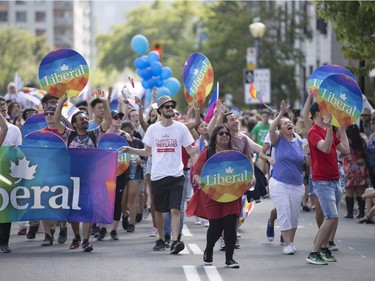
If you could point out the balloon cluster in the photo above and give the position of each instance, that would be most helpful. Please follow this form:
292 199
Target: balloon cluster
152 71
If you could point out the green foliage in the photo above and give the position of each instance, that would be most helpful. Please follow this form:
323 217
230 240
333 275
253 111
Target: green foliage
226 26
354 25
22 52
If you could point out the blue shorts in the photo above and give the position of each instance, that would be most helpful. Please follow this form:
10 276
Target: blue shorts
329 195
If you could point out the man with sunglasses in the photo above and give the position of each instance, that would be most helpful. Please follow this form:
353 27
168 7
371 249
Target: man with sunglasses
82 137
164 141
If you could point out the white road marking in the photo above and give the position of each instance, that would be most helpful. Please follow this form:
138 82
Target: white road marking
363 256
350 248
186 231
191 273
195 249
212 273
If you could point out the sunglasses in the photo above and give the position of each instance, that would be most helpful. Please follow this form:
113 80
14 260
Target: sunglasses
169 106
223 133
47 113
83 118
117 117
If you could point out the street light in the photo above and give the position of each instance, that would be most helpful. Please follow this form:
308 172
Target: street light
257 30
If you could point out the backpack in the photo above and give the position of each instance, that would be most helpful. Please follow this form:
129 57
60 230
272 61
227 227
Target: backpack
73 134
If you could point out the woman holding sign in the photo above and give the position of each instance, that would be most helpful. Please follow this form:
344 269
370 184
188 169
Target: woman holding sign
222 216
286 182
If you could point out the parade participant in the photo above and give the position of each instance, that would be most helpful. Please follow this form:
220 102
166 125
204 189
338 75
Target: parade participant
81 137
286 182
164 140
98 111
12 137
221 216
130 195
325 175
356 173
121 180
49 225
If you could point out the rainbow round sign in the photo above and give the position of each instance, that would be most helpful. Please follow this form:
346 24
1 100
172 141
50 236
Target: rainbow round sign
198 76
116 142
226 176
340 96
63 71
322 72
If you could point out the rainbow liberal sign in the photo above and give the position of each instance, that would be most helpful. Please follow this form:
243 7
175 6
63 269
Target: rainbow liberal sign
340 96
226 176
63 71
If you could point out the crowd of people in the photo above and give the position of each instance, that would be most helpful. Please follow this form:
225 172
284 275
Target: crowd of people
309 164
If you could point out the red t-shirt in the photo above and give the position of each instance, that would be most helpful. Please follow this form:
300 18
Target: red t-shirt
324 166
55 131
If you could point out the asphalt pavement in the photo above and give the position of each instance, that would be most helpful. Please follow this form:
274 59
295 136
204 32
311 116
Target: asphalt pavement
132 258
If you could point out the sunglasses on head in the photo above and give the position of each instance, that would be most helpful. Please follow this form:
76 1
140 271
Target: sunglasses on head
169 106
223 133
117 117
48 113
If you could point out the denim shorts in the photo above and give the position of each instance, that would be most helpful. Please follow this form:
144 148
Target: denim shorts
329 194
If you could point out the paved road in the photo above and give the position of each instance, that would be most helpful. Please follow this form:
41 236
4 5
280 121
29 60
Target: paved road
132 258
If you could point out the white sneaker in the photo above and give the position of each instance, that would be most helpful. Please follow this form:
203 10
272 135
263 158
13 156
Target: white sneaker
293 247
154 232
206 223
288 250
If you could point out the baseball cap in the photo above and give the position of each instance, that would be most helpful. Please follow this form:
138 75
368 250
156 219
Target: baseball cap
115 113
50 108
314 108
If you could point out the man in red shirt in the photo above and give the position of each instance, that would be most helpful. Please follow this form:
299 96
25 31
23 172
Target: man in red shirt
325 175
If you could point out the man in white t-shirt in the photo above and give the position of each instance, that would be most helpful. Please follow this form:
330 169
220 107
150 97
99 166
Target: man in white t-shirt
164 140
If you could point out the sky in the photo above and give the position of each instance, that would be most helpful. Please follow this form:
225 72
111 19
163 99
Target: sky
108 13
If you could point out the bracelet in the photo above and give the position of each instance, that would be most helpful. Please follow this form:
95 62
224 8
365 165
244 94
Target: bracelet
126 102
196 108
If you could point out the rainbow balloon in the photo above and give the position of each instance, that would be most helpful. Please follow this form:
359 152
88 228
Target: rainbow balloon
43 139
340 96
198 75
33 123
322 72
116 142
63 71
226 176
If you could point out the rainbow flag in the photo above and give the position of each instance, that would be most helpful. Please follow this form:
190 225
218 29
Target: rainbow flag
212 104
34 95
69 109
254 93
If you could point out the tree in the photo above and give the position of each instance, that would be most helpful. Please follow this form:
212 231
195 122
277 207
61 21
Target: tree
22 52
224 26
354 25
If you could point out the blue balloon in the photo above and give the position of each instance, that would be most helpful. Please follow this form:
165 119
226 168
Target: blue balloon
166 72
173 85
159 82
145 84
141 62
163 91
153 56
156 68
145 73
139 44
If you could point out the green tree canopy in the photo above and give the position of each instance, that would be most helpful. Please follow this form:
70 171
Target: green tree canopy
22 52
225 29
354 25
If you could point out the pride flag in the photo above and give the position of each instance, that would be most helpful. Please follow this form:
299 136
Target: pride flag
69 109
254 93
212 104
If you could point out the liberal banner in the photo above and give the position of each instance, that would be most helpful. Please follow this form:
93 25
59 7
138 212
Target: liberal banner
56 184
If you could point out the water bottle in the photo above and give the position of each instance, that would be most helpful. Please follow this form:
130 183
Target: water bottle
133 167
